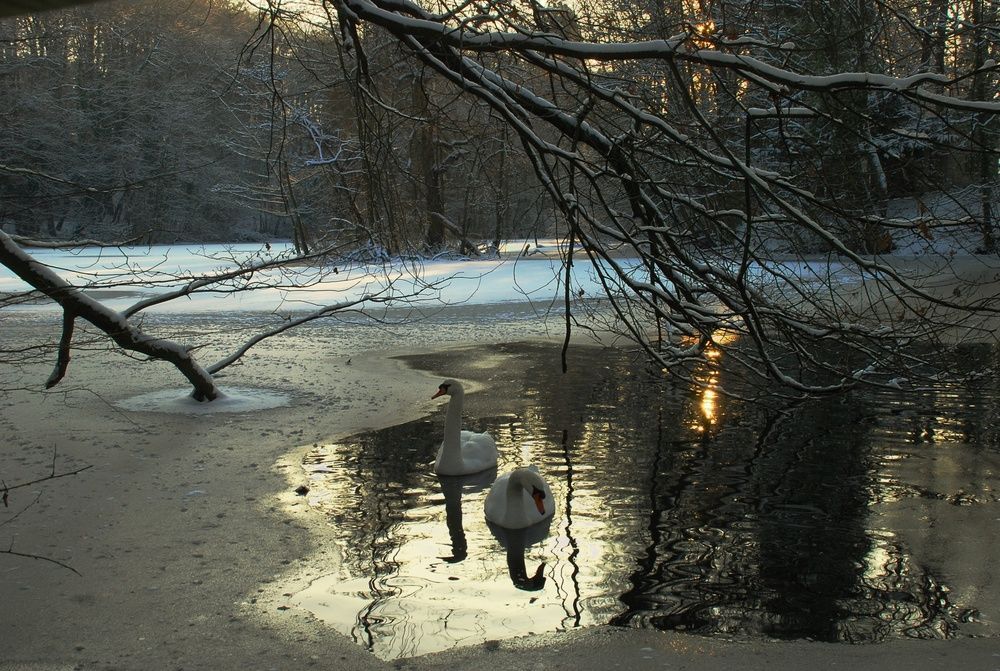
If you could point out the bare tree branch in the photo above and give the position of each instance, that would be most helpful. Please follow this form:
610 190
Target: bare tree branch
617 166
5 489
110 322
65 344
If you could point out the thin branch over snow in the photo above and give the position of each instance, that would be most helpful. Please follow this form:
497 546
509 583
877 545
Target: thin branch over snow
75 304
5 491
289 273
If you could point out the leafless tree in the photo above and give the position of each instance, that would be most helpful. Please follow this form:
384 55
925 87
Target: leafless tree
747 173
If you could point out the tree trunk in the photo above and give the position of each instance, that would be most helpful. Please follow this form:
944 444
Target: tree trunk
425 157
300 235
934 30
984 144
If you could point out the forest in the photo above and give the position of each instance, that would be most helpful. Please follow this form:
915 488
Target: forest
208 121
216 121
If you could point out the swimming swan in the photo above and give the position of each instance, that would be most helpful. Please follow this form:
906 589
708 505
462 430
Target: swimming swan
462 452
519 499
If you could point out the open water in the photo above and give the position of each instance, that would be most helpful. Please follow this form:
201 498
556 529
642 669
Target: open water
854 519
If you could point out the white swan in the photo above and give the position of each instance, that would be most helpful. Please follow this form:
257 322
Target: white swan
462 452
519 499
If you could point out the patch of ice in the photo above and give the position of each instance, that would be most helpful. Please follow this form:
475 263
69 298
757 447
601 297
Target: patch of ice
180 401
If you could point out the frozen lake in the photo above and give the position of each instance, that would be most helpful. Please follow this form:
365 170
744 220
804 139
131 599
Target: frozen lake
120 277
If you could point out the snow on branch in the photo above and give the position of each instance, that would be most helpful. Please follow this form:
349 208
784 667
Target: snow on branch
76 303
408 19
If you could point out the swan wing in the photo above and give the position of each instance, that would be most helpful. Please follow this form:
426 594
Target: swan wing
479 451
495 505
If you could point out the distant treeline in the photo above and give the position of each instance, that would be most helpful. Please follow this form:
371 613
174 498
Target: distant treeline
212 121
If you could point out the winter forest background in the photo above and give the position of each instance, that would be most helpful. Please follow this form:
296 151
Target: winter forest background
198 122
216 121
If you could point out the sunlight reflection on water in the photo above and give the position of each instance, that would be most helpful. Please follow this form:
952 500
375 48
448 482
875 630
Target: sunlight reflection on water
433 573
855 519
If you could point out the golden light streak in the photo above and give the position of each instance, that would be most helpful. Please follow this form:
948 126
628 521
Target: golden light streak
709 400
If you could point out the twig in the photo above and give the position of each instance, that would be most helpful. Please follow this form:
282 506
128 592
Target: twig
47 477
28 555
6 492
51 476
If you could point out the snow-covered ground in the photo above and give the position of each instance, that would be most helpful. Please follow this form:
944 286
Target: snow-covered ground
119 277
526 271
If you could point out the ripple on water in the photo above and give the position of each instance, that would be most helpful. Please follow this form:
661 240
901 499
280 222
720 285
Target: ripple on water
819 523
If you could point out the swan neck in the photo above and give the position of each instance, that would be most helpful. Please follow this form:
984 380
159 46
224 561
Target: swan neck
453 422
515 483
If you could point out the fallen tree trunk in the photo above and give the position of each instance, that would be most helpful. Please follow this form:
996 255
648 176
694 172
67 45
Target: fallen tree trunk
76 304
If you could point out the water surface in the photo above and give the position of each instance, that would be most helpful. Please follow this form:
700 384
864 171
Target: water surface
856 519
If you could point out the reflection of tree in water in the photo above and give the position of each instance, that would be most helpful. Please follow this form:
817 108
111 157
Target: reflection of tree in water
369 483
681 510
771 536
812 482
372 480
689 572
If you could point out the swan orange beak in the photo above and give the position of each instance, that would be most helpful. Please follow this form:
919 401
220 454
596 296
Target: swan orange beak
439 392
539 497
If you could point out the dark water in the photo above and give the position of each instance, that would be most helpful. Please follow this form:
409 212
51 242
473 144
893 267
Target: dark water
857 519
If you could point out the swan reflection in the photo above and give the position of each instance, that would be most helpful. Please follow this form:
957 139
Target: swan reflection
452 486
519 510
516 542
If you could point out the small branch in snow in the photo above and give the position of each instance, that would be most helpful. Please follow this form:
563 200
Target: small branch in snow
28 555
325 311
5 490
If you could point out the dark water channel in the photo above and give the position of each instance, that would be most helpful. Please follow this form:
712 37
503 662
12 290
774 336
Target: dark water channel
857 519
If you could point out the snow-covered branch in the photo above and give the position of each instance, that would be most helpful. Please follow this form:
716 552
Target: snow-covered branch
119 327
674 178
408 19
